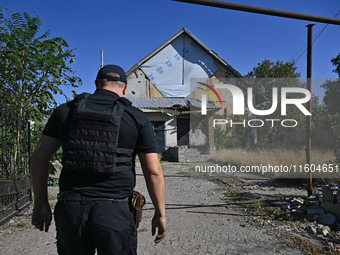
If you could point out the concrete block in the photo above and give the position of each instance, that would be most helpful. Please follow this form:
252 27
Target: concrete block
303 208
327 219
317 202
338 196
327 193
332 208
314 212
321 198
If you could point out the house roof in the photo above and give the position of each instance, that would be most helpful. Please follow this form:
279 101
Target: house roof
187 32
169 102
259 96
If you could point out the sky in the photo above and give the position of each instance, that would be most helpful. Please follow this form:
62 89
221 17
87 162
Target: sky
129 30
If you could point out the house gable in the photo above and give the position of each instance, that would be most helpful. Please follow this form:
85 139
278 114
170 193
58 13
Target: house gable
166 72
172 68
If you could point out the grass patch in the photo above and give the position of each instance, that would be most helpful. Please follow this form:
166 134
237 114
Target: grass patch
51 196
272 156
233 193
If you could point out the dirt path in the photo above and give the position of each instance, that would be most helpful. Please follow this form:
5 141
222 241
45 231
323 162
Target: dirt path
199 222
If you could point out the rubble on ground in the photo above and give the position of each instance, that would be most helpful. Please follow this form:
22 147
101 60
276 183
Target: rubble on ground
322 210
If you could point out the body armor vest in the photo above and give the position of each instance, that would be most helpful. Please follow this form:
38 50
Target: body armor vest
93 140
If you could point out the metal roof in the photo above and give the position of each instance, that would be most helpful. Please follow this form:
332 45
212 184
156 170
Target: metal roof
168 102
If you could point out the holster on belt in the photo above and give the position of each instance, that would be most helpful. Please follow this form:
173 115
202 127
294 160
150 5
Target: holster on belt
137 203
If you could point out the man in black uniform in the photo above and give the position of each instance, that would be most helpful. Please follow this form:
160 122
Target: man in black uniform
100 135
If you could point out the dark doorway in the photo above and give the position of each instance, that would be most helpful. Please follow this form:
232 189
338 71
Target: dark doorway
183 128
158 127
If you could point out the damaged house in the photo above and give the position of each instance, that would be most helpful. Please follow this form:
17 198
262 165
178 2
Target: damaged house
159 85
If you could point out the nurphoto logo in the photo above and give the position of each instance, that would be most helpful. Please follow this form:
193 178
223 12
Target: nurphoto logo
281 97
204 97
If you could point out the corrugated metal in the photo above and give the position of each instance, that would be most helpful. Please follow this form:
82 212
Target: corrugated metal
167 102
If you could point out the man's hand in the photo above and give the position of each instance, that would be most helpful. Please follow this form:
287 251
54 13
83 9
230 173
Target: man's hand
42 216
160 223
39 170
154 178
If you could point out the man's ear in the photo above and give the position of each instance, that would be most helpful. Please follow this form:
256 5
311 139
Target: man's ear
124 90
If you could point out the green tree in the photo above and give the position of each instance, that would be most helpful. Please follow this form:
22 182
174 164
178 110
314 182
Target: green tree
279 74
32 69
336 62
268 69
332 105
268 75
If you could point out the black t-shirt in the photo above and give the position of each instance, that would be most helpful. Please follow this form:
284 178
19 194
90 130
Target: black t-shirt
136 133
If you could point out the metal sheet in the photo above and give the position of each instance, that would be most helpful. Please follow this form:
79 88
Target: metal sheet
171 69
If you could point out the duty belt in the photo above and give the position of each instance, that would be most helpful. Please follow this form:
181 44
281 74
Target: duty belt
67 196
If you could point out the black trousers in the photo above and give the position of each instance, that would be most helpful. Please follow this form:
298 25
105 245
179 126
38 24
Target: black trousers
84 226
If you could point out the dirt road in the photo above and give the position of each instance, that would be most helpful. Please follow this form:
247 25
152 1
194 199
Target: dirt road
200 221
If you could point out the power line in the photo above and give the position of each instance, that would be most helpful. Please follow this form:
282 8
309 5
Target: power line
304 48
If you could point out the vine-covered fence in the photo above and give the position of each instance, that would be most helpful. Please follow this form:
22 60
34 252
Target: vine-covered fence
15 184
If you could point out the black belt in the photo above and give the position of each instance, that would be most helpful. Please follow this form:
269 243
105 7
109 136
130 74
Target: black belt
78 197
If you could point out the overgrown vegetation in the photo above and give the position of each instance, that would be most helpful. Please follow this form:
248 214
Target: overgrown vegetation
274 155
33 67
332 104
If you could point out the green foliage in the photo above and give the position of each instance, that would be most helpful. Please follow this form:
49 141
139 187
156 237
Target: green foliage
325 116
263 78
332 95
336 62
32 67
332 105
320 118
268 69
231 137
223 139
336 132
279 74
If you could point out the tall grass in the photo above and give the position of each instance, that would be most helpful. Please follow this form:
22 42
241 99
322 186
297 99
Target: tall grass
273 156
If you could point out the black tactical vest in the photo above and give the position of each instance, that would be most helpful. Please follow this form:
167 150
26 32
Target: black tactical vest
93 141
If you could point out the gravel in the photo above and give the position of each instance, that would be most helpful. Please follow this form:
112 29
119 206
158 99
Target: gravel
199 222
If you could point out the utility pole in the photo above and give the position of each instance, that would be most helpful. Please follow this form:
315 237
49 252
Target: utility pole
309 107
